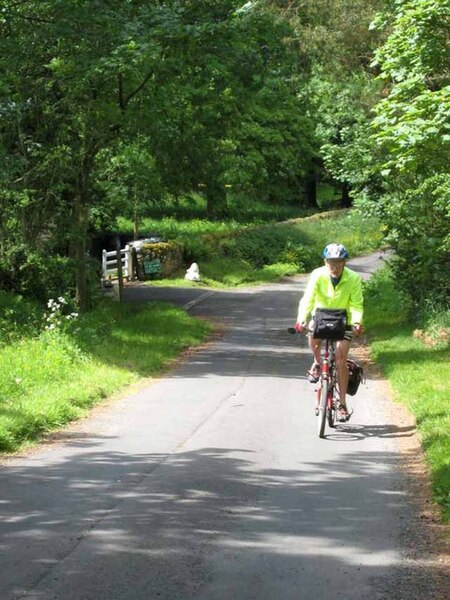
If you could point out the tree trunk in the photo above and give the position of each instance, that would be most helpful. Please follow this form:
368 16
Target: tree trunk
216 199
79 247
79 242
311 190
136 225
346 201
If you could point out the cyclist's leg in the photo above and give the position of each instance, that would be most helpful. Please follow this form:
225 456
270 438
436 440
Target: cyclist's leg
342 348
315 347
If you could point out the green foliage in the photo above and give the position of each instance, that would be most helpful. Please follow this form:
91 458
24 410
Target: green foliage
418 224
131 182
387 306
407 182
336 48
345 109
261 247
39 276
414 360
123 104
412 124
116 109
334 33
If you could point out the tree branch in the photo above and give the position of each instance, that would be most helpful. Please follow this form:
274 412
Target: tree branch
120 91
138 89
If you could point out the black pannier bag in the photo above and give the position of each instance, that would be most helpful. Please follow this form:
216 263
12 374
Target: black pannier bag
329 323
355 377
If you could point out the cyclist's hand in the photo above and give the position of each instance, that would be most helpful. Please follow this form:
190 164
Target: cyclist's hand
358 329
300 327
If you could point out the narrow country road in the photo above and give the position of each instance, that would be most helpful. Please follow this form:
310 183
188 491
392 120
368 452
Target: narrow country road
211 484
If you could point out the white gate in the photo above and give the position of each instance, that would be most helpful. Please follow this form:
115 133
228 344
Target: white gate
109 263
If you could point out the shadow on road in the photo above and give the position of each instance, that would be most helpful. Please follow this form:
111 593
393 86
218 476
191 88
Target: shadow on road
173 514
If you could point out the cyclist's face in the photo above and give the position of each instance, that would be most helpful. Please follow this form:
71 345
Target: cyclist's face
335 266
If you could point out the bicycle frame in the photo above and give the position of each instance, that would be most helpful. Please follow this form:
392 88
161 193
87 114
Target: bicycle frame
326 388
328 400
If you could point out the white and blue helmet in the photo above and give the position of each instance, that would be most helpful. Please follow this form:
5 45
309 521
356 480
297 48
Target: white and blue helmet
335 251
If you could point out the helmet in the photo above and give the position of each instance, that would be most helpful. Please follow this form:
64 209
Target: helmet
335 251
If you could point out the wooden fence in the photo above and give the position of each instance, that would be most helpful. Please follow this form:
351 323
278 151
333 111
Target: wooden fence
110 268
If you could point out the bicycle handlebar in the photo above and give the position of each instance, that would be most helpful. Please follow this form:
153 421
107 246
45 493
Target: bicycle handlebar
293 331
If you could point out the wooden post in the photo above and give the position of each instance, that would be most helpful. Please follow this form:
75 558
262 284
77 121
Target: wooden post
127 261
104 265
119 268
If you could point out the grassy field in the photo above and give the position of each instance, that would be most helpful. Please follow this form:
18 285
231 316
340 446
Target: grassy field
240 210
230 254
51 376
417 364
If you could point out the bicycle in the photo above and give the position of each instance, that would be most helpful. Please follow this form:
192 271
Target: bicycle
327 395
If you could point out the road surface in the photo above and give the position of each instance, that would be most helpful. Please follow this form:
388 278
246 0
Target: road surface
211 483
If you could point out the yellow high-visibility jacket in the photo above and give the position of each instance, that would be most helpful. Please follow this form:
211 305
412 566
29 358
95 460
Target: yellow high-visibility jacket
320 293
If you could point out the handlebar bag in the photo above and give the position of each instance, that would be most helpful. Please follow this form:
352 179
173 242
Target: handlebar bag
329 323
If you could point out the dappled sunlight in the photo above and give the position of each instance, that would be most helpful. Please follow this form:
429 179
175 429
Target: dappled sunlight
165 509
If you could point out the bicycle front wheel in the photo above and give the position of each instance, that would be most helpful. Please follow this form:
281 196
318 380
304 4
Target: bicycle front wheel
321 418
331 408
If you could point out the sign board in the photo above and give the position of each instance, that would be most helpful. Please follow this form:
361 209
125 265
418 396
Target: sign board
152 266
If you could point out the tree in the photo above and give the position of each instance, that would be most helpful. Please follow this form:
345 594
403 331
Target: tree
230 116
129 177
411 145
85 80
335 51
77 73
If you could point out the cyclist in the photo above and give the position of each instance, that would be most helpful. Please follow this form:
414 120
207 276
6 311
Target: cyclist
332 286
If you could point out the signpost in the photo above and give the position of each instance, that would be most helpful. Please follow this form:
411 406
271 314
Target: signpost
151 267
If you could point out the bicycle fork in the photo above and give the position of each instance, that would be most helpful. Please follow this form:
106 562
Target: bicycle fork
326 376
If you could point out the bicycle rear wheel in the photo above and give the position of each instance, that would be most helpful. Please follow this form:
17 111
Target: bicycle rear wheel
321 418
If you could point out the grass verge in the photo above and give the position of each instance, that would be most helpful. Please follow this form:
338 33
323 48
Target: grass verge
53 377
417 364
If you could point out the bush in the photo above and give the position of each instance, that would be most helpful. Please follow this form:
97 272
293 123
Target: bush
18 317
419 231
267 246
42 276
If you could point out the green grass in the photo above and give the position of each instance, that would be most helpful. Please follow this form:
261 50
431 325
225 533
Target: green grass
230 255
417 364
240 209
49 379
